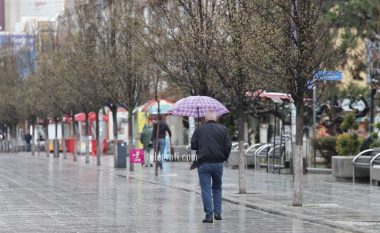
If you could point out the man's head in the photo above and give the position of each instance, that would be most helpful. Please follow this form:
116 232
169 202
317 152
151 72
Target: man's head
211 115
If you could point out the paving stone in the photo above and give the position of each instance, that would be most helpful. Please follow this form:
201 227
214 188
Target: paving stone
39 194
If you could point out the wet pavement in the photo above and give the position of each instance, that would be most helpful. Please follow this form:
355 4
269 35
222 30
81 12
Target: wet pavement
40 194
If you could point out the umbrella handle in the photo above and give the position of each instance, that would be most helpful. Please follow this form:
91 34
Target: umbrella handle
198 116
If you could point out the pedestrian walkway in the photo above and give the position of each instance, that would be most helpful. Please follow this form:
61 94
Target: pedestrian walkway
40 194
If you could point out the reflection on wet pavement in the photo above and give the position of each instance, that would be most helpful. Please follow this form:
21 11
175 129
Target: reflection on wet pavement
49 195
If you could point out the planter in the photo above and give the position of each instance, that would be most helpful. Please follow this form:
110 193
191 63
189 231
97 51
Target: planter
342 167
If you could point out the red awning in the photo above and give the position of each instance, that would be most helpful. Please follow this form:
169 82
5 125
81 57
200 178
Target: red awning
91 117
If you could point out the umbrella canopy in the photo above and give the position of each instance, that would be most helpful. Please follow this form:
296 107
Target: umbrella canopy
91 117
197 106
152 107
276 97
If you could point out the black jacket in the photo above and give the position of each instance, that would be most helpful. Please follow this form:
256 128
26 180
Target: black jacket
212 143
28 138
162 131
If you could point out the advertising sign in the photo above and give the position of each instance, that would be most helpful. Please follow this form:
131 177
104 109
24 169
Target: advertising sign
23 46
136 156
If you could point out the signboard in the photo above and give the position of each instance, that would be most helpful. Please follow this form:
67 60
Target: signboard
23 46
328 75
324 76
2 16
136 156
18 41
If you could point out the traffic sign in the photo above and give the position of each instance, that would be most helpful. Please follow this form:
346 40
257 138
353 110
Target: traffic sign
328 75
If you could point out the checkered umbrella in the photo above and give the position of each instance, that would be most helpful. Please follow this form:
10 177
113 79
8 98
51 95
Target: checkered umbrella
197 106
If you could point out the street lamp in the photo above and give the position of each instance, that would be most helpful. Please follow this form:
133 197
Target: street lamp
375 84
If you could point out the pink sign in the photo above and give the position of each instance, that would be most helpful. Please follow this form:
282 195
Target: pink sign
136 156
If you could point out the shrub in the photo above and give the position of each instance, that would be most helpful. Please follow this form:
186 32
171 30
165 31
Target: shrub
349 123
326 147
347 144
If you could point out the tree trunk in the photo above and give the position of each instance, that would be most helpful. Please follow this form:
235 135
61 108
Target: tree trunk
98 149
156 151
130 137
38 146
33 133
115 136
75 138
9 138
14 138
87 139
46 140
63 142
242 159
191 128
56 142
297 161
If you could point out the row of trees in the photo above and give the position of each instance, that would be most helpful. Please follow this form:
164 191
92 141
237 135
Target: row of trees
120 54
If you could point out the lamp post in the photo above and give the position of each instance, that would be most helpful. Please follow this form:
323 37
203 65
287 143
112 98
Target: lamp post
375 84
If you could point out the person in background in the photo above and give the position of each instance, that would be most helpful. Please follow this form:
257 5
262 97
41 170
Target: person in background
213 145
158 138
146 140
28 138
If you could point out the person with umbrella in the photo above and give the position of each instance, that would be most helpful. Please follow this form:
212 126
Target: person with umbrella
159 132
213 145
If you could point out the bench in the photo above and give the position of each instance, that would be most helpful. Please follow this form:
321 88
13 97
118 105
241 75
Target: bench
262 152
367 159
250 153
374 168
277 156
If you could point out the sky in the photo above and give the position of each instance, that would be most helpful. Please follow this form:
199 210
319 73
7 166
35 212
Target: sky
40 8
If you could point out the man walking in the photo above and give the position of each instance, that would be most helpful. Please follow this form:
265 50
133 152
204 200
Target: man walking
145 139
28 138
213 145
159 145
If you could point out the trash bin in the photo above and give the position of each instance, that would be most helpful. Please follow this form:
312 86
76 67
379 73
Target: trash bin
122 155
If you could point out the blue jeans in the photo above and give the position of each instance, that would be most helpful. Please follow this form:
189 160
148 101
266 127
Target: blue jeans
208 172
160 148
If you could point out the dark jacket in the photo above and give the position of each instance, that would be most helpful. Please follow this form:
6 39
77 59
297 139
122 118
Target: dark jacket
28 138
162 131
212 143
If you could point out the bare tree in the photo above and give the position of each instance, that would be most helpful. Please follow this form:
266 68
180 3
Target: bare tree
180 38
10 90
235 48
296 43
121 50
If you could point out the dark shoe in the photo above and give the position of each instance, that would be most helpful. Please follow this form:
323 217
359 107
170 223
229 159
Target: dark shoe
217 217
151 165
146 165
208 220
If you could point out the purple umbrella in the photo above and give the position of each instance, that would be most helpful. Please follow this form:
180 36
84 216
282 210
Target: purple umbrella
197 106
